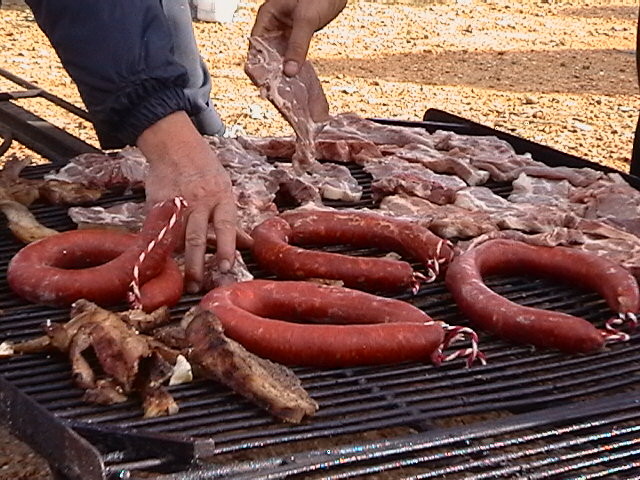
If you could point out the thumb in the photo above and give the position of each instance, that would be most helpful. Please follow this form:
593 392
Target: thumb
297 47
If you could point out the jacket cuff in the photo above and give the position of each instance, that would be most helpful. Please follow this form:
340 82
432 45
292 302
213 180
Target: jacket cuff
137 112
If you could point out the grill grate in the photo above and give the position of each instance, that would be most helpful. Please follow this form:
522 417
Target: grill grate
559 444
409 403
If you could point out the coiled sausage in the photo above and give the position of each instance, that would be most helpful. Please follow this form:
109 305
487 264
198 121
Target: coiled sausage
352 327
97 265
494 313
273 251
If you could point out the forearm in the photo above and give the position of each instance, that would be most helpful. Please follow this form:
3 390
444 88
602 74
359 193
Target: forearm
119 55
171 142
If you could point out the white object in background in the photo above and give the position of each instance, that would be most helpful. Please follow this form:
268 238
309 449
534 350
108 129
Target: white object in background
216 10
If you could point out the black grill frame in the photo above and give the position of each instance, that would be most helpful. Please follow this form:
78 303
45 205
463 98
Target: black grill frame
371 420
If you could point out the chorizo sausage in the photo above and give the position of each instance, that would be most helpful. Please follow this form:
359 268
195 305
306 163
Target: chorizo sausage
96 264
492 312
274 249
351 327
165 289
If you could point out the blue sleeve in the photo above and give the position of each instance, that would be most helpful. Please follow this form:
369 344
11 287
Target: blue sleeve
120 55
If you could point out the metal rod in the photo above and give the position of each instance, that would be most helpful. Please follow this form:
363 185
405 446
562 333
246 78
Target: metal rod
44 94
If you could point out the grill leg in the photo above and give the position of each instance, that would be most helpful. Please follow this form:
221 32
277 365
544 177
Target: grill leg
635 154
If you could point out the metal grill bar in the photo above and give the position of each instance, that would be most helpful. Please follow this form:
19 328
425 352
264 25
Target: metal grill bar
36 133
557 442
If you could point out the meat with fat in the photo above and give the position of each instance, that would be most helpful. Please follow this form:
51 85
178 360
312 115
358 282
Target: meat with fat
391 176
128 168
447 221
297 98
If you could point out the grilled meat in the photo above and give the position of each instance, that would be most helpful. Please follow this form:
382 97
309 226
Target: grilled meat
269 385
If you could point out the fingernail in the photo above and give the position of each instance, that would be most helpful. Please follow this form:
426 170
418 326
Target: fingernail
225 265
193 287
291 68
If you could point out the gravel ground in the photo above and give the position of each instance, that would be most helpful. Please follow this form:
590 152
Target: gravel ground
561 73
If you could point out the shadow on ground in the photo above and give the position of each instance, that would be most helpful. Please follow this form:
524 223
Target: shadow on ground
619 12
564 71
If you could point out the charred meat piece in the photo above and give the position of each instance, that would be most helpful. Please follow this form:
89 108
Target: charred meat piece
66 193
130 361
26 191
269 385
24 226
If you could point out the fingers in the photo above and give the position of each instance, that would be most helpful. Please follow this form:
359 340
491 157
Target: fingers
298 46
224 225
194 248
266 21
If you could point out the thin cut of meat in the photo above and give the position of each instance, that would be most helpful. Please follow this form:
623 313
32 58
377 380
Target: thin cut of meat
326 180
513 216
127 216
544 191
294 97
447 221
271 147
438 162
533 218
341 150
294 188
502 162
257 181
350 126
611 200
578 177
212 277
557 236
126 169
252 181
391 176
486 153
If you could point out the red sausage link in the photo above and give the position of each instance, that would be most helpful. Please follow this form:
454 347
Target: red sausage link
165 289
543 328
273 252
93 264
353 327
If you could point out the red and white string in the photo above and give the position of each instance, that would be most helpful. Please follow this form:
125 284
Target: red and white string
134 296
433 266
454 334
612 332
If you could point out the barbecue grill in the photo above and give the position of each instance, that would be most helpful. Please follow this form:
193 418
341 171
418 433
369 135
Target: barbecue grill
528 413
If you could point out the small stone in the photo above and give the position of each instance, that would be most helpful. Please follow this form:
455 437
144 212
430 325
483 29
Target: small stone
583 126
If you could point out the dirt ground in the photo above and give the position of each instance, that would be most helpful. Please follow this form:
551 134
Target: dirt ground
561 73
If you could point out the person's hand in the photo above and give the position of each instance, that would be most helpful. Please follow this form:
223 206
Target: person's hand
298 20
181 163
